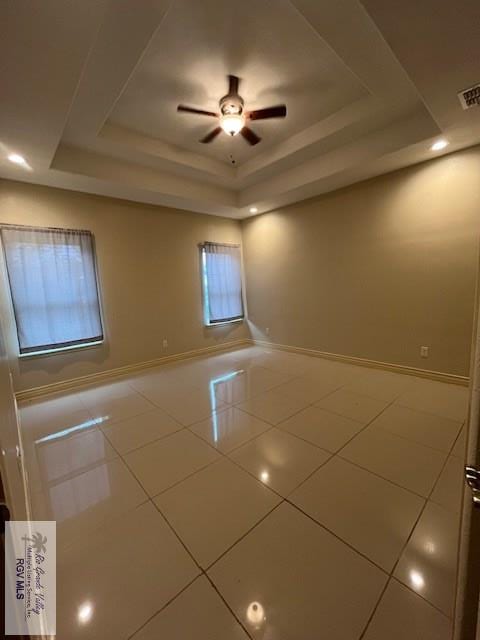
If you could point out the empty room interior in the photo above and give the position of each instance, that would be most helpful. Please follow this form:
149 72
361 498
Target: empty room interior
239 357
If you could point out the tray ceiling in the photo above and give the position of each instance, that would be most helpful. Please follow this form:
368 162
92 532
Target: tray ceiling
199 43
366 92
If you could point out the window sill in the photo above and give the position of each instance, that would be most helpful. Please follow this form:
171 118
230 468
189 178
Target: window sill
51 352
222 324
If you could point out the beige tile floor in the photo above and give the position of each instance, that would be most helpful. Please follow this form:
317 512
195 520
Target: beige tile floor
252 494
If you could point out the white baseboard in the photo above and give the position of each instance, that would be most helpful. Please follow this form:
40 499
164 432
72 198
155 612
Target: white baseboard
364 362
92 378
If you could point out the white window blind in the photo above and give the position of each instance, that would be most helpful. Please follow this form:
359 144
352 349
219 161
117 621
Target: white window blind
222 282
53 286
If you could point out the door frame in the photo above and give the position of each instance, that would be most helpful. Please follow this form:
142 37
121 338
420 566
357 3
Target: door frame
466 616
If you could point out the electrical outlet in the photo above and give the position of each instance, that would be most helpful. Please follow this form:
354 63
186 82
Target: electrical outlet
424 352
165 343
267 330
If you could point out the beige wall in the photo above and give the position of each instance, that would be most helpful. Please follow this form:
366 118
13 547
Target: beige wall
374 270
149 276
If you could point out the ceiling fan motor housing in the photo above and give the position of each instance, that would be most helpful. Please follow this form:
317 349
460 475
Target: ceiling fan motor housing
232 119
231 105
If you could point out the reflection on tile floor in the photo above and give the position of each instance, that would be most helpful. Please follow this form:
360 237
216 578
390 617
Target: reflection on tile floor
252 494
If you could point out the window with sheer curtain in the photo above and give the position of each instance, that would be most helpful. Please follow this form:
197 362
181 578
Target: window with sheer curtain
222 283
53 285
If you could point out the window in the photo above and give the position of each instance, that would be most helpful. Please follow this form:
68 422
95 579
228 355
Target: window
53 285
222 283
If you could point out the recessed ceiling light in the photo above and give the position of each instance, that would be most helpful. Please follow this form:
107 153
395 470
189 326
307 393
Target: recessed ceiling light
253 210
439 145
17 159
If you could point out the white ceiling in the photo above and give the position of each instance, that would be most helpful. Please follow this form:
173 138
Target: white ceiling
199 43
90 89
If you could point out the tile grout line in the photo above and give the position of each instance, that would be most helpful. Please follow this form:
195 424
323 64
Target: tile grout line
203 572
199 567
157 406
374 610
420 444
127 466
244 535
434 606
377 475
427 500
356 464
99 527
334 454
455 443
429 413
166 435
183 428
227 455
307 406
221 410
285 499
282 500
169 602
175 484
150 500
94 465
189 430
391 575
335 535
220 595
338 453
366 426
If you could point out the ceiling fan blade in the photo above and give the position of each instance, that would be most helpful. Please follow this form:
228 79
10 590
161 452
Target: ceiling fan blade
280 111
250 136
201 112
233 83
210 136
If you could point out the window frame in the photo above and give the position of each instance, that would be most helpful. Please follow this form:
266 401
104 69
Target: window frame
204 286
63 348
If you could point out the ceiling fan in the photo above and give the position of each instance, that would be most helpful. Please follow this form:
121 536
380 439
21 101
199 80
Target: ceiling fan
232 116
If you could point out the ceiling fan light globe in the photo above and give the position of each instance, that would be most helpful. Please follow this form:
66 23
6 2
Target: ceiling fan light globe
232 123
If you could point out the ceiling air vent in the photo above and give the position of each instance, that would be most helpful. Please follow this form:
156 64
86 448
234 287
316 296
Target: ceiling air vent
470 97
